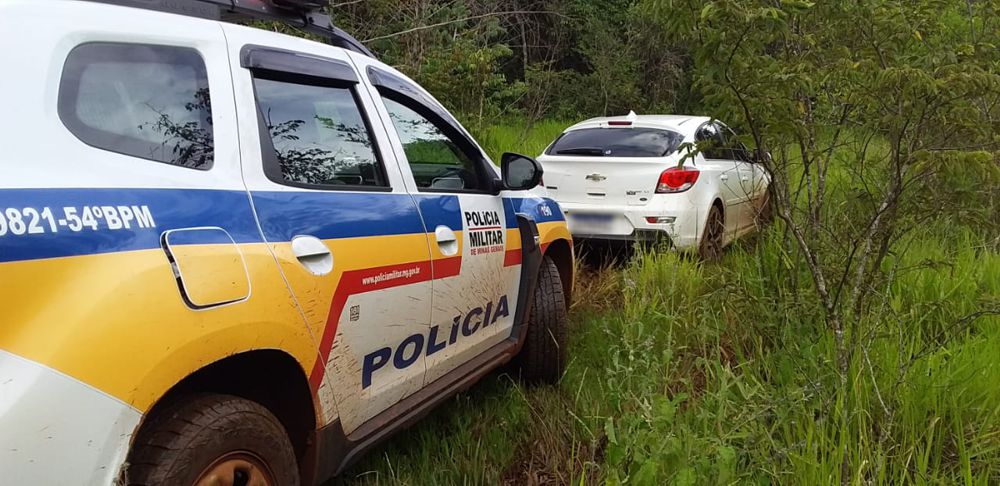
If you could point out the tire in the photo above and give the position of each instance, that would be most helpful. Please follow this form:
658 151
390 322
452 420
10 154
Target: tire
710 247
205 435
765 215
543 357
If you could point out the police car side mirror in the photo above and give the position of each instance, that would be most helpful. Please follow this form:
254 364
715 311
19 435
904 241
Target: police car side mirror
519 172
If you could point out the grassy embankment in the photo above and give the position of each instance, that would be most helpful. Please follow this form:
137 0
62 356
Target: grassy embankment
690 374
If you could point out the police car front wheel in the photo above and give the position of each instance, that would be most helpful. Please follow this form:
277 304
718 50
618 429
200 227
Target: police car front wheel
213 439
543 357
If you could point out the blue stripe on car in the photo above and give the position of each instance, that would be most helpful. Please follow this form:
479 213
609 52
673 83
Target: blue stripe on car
325 215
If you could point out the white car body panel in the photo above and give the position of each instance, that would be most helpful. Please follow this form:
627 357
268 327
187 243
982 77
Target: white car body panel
67 25
42 411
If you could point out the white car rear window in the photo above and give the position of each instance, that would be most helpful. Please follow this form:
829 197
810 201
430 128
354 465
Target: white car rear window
617 142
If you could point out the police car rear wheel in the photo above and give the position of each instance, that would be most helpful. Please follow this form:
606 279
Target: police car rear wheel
543 357
237 468
210 439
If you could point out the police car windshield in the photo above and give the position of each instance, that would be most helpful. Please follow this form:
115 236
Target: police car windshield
617 142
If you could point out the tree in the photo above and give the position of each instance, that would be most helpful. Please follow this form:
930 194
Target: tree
876 94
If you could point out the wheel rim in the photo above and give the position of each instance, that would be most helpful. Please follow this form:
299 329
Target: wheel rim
237 469
713 236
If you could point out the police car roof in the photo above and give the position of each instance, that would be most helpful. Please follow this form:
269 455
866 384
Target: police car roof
301 14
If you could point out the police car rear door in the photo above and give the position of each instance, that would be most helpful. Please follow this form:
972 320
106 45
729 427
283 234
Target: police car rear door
475 282
337 215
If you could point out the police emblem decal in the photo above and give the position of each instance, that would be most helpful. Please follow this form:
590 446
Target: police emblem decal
486 232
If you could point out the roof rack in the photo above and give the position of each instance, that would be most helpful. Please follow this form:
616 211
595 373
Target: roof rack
302 14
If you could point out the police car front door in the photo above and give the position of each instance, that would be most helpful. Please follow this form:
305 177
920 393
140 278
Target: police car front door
338 218
475 281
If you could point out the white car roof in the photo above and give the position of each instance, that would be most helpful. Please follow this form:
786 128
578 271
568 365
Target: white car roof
684 124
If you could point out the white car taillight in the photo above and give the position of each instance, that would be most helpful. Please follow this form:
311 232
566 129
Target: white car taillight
676 179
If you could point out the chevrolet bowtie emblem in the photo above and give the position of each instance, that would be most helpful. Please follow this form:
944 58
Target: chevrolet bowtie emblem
596 177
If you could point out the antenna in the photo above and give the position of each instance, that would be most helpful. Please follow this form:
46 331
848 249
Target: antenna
301 14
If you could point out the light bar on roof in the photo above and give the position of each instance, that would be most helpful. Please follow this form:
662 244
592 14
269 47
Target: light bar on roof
300 4
306 15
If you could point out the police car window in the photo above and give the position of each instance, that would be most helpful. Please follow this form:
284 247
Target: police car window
140 100
318 135
436 161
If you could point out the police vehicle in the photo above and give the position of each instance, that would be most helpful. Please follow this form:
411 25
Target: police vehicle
230 256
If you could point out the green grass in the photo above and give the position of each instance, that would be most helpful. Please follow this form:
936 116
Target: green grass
526 139
683 373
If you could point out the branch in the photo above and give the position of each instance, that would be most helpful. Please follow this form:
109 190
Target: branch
472 17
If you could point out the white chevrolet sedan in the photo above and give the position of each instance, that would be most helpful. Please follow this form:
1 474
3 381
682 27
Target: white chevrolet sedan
640 178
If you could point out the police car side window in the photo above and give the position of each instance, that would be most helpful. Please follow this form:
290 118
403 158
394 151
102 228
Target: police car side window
436 161
146 101
317 135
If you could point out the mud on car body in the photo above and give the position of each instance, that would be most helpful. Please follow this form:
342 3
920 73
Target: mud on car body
206 227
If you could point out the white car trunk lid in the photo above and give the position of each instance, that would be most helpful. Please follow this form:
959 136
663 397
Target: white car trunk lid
603 181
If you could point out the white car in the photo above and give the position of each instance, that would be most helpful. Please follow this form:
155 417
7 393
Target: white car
641 178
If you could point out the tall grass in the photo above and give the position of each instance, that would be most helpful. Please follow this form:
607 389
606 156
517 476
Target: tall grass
732 382
529 139
683 373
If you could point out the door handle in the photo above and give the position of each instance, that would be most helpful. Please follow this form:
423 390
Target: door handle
446 240
313 254
724 177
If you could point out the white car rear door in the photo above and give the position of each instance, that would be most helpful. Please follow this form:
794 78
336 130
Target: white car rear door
748 187
720 163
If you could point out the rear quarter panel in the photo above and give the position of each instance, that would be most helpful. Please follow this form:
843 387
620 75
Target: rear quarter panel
104 307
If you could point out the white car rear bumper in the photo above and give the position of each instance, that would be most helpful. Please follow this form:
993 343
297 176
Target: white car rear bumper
57 430
676 218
